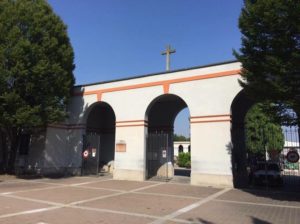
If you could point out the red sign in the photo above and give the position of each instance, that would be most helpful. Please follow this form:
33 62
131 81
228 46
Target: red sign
292 156
85 154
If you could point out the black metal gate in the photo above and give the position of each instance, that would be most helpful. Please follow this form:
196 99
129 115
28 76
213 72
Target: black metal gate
90 154
290 170
158 156
277 170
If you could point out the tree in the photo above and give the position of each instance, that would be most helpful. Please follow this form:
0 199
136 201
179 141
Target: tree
262 132
36 71
184 159
270 54
180 138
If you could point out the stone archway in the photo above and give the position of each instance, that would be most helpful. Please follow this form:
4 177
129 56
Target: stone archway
161 114
99 139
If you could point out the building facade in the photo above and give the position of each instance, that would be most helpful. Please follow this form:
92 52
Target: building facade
119 123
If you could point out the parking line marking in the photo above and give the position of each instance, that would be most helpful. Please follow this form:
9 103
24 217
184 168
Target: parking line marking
29 212
168 195
96 198
62 184
30 190
127 213
97 188
191 206
146 187
260 204
34 200
49 183
75 206
91 182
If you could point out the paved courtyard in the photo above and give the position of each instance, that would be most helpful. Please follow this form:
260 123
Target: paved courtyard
103 200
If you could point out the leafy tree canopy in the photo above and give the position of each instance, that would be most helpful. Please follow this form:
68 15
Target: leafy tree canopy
36 64
262 132
270 53
36 67
180 138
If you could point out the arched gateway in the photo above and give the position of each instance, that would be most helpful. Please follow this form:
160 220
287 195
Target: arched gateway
161 114
134 108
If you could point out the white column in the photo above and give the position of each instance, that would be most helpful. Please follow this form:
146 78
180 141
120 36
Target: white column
130 164
210 153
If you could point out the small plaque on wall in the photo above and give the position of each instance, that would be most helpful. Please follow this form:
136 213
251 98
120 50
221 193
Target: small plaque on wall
121 146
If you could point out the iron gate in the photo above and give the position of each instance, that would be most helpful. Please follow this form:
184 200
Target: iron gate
158 156
280 170
290 170
90 154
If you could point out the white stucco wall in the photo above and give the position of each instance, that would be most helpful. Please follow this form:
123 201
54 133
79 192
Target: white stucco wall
207 91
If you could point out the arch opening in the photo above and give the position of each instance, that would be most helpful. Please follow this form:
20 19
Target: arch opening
161 161
180 149
99 140
260 144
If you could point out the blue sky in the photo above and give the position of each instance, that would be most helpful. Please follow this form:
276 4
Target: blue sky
114 39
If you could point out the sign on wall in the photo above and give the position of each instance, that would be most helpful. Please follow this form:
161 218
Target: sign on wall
121 146
292 156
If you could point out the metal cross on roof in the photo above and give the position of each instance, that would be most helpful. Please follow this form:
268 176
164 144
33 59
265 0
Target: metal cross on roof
168 52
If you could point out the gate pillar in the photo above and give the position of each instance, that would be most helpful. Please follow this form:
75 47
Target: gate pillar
211 151
130 162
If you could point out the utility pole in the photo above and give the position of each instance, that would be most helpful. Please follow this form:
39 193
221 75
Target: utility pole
168 52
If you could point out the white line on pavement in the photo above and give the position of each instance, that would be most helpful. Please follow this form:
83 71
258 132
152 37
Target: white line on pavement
168 195
190 207
255 203
29 212
30 190
146 187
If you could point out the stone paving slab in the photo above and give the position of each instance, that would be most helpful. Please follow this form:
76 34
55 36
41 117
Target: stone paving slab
138 203
260 196
65 194
103 200
11 205
74 216
71 180
181 190
120 185
5 177
235 213
13 186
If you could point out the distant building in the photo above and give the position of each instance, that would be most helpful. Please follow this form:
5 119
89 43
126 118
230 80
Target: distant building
181 146
291 144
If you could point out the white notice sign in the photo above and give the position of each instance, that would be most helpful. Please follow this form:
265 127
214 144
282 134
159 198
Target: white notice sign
94 152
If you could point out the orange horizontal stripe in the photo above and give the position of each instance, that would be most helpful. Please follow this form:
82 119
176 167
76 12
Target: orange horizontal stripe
208 116
157 83
210 121
131 125
129 121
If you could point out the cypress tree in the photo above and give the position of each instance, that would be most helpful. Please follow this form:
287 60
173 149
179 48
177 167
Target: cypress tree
262 132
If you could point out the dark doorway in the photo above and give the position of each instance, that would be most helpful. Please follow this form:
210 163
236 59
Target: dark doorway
99 140
161 115
239 108
180 149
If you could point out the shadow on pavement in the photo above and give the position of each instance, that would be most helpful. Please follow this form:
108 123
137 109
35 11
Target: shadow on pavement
259 221
274 194
182 172
200 220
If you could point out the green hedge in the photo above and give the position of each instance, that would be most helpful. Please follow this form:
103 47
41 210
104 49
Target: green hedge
184 159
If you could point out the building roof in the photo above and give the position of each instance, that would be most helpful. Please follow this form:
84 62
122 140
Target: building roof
158 73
